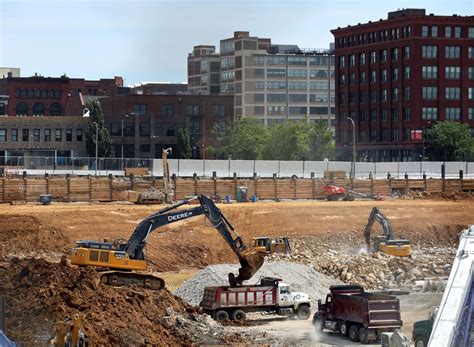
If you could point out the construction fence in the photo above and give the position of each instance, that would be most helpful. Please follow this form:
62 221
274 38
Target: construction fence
77 189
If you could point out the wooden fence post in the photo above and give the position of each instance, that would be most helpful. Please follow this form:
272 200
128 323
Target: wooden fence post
313 182
275 186
255 183
3 190
424 181
25 184
443 175
461 177
110 187
294 187
195 184
235 184
46 178
68 183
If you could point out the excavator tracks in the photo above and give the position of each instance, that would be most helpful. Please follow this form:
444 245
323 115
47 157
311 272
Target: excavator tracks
123 278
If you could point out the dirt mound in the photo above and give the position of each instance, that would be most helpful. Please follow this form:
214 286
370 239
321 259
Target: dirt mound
453 196
39 293
23 234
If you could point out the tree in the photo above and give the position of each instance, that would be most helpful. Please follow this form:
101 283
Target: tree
183 146
321 142
450 141
105 148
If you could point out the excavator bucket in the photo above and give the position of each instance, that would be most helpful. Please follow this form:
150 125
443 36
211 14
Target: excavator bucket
250 261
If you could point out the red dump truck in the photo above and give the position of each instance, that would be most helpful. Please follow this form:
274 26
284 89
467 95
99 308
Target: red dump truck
358 314
270 296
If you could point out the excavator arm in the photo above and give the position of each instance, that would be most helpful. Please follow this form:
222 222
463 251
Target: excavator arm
376 215
250 260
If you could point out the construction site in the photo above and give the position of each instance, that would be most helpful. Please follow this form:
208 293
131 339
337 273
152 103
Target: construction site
164 261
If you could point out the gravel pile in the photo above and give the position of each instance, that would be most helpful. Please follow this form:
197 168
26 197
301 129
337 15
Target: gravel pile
300 277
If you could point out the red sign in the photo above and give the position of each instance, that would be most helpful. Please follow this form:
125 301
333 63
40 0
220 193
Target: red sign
416 135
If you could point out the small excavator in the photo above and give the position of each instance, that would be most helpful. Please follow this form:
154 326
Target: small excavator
124 261
385 243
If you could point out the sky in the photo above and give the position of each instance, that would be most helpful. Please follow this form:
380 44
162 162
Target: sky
149 40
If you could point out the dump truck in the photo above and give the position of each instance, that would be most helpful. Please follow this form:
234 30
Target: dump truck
357 314
422 329
271 296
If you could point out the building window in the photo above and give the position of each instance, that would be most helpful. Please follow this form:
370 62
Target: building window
259 60
383 76
470 94
139 109
297 60
342 79
406 73
259 97
259 72
38 109
21 109
361 58
3 135
429 113
453 113
424 31
453 52
373 57
453 72
25 135
276 73
394 54
79 135
373 135
430 93
373 115
383 115
448 31
352 60
384 95
406 52
406 134
362 97
294 85
406 113
352 78
69 135
395 74
470 73
276 97
434 31
395 135
395 94
429 72
429 51
341 61
383 55
36 135
167 110
470 33
276 60
58 135
299 73
298 98
219 110
55 109
453 93
14 135
362 136
471 113
47 135
362 78
362 115
470 54
407 93
373 96
193 110
373 76
276 85
457 32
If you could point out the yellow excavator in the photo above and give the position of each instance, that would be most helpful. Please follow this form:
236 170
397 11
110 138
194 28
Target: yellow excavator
270 245
124 262
385 243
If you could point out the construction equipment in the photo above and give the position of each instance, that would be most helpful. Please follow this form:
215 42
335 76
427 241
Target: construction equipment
395 339
385 243
270 246
126 259
334 193
69 333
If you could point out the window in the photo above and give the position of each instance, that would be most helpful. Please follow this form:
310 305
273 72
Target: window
373 76
362 78
453 93
69 135
453 72
453 113
362 136
395 94
297 110
471 113
453 52
259 60
383 56
362 97
470 52
373 115
14 135
429 113
457 32
395 74
3 135
54 109
276 97
470 94
297 98
430 93
139 109
352 78
470 33
297 60
383 76
406 52
434 31
58 135
373 96
276 73
361 58
276 110
383 115
25 135
470 73
193 110
342 79
47 135
36 135
352 60
219 110
406 113
406 134
373 135
79 135
167 110
407 93
276 60
362 115
260 110
395 135
259 97
384 95
448 31
429 51
21 109
429 72
373 57
259 72
406 73
315 73
394 54
301 73
424 31
276 85
341 61
296 85
394 114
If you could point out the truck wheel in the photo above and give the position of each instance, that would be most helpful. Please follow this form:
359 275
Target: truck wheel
344 329
221 315
238 316
420 342
353 333
303 312
318 324
363 336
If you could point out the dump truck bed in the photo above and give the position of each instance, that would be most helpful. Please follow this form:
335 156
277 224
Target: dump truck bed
244 296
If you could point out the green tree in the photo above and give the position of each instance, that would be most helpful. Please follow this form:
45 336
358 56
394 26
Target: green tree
450 141
321 142
183 146
289 141
105 148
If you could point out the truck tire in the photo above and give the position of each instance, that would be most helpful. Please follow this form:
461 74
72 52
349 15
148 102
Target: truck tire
238 316
354 333
221 315
318 324
303 312
344 329
420 342
363 335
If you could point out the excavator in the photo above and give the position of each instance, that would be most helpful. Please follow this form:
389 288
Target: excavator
385 243
124 262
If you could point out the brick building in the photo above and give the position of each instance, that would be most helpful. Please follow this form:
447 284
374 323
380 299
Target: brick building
159 117
397 77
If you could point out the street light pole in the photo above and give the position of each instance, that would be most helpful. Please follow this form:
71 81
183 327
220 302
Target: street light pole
353 148
96 145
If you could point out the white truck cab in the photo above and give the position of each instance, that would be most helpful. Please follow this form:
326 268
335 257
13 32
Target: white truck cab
286 298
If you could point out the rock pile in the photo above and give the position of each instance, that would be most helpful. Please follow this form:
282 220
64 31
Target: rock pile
300 277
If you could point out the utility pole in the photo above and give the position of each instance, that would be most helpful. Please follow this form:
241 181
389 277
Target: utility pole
353 148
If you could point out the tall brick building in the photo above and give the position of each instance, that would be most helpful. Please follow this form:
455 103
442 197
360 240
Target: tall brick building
397 77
